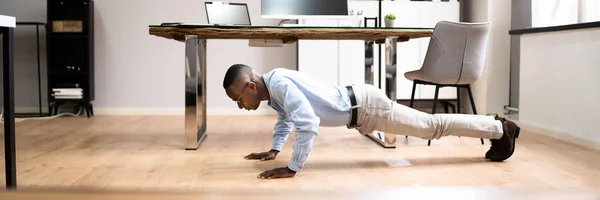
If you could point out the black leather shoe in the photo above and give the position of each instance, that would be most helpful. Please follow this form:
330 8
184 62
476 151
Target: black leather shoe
492 149
504 147
489 153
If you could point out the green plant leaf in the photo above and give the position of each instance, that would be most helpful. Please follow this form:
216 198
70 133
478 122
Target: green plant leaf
390 16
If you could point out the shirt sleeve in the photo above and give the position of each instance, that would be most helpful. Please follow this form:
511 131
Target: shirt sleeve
299 110
282 130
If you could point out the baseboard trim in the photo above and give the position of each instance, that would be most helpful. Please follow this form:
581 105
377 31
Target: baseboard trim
33 110
139 111
560 135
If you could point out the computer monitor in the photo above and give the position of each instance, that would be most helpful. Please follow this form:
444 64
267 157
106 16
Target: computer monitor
227 13
304 9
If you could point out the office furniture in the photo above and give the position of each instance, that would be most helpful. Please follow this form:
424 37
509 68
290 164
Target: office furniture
70 49
346 62
455 58
196 36
39 76
341 61
559 75
7 26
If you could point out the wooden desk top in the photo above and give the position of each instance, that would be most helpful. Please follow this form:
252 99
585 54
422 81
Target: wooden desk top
287 34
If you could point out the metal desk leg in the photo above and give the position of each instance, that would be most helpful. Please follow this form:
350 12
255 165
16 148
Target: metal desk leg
37 36
195 91
390 67
9 107
369 62
387 140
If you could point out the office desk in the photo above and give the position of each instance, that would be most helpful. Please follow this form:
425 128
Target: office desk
39 70
195 37
7 26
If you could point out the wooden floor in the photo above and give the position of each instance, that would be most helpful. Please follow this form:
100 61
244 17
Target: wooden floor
146 154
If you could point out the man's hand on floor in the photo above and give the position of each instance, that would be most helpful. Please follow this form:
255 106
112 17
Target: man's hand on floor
269 155
283 172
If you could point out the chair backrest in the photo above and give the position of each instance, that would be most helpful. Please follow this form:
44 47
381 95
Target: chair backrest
456 52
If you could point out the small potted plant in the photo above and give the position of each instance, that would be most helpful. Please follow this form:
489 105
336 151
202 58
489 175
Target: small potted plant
389 20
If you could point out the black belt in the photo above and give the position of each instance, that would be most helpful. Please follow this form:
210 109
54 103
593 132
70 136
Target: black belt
354 111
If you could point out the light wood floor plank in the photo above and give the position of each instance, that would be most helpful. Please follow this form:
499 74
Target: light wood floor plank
145 153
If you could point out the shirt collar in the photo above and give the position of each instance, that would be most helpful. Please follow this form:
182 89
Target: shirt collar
267 79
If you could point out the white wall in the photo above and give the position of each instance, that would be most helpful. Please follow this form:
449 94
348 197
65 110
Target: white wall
125 50
562 12
560 75
554 12
588 11
498 62
491 91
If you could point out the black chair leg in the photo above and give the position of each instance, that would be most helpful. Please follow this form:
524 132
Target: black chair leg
453 108
435 99
473 105
445 107
458 100
412 97
471 99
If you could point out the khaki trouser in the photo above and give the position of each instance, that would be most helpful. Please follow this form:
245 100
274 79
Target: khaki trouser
377 112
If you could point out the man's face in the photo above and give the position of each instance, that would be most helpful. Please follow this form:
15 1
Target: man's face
244 93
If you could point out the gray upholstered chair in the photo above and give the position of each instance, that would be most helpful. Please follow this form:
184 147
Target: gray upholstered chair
455 58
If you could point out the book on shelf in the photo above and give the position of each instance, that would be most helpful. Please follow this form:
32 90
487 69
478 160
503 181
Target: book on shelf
68 97
67 93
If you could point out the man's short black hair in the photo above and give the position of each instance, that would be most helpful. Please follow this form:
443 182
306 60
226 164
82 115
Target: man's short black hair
234 72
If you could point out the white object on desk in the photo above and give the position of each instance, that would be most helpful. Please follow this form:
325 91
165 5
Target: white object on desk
265 43
7 21
306 25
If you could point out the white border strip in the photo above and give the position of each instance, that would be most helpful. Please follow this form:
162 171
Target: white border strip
8 21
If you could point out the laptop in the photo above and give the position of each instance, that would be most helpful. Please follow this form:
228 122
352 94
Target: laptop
229 14
222 14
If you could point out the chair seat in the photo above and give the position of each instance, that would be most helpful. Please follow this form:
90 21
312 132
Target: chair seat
412 75
422 76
